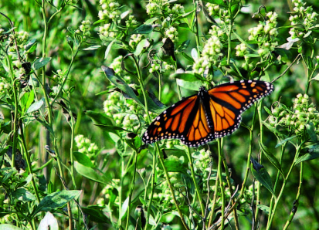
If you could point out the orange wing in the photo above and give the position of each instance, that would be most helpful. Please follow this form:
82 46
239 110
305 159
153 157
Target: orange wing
185 120
228 101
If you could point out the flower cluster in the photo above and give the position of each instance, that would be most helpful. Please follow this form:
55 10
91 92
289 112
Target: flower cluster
211 53
85 145
216 31
135 39
3 87
110 10
241 50
216 10
131 21
21 37
176 10
105 32
125 113
155 66
302 117
85 28
172 33
304 16
108 191
265 34
156 6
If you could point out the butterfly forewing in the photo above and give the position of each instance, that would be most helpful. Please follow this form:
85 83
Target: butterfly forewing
228 101
172 122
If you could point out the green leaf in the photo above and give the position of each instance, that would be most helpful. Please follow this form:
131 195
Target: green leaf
261 175
23 195
311 131
31 46
141 46
93 47
271 157
124 207
108 49
56 200
316 78
188 81
307 157
217 2
40 62
111 128
91 173
284 141
183 46
119 83
95 214
83 159
99 117
26 100
274 130
173 164
267 110
48 222
263 208
143 29
9 227
36 106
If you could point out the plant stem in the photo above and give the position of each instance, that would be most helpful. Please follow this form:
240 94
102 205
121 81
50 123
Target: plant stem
27 157
190 159
296 202
273 210
230 189
170 187
221 182
131 191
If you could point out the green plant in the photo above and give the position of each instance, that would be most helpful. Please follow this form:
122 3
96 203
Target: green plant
80 81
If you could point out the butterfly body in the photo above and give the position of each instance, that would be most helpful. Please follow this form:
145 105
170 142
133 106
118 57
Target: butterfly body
210 114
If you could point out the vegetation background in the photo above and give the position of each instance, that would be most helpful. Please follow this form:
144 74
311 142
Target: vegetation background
71 154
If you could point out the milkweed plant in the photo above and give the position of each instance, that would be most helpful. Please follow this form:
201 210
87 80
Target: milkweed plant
80 81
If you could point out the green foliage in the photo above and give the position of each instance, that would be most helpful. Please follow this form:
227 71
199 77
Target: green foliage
81 80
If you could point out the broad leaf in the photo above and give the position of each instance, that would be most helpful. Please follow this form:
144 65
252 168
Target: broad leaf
48 222
56 200
40 62
261 175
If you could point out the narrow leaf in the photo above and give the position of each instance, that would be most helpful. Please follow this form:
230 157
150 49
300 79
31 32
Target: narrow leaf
91 173
284 141
307 157
124 207
108 49
271 157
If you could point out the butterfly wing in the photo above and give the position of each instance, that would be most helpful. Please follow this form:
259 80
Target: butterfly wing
211 114
185 120
228 101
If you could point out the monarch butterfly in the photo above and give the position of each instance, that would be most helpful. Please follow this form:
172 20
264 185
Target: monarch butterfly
210 114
